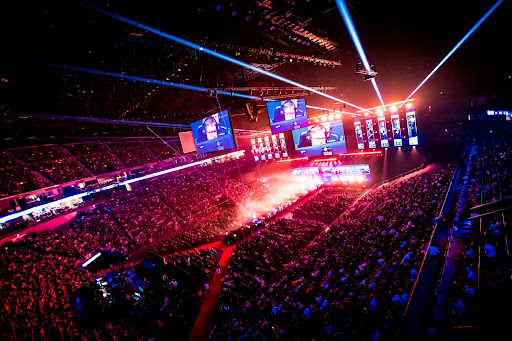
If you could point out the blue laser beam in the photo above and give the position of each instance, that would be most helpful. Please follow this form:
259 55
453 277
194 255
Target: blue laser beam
347 19
148 80
470 32
212 52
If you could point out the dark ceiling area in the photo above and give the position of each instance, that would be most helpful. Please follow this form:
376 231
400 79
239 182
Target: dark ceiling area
305 41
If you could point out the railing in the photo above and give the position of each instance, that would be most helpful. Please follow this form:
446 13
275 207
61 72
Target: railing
429 243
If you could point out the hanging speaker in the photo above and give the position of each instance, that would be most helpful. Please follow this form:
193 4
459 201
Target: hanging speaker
251 111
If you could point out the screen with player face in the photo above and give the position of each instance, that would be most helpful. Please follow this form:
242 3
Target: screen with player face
359 133
395 127
213 133
287 115
412 129
320 139
369 133
383 131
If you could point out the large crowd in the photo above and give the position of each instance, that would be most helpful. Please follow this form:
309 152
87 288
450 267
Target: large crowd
297 277
30 168
352 282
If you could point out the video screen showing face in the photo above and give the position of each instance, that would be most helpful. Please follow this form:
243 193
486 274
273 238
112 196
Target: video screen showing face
411 128
359 134
370 133
213 133
395 126
383 131
287 115
320 139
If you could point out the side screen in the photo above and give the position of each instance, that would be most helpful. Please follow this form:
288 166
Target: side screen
395 126
320 139
213 133
383 131
370 133
359 133
412 129
287 115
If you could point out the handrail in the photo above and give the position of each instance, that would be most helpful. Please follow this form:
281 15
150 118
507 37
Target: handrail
399 175
429 244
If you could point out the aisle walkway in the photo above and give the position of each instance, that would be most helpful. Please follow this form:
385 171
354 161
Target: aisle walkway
201 326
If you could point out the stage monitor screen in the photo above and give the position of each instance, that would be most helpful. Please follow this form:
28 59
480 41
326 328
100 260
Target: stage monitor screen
275 145
359 133
370 133
187 142
287 115
412 129
213 133
320 139
395 126
383 131
284 150
255 150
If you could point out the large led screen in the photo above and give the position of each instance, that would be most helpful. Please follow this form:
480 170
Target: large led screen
397 134
359 133
383 131
287 115
412 129
320 139
213 133
370 133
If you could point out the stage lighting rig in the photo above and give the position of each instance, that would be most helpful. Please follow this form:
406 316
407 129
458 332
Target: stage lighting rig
367 74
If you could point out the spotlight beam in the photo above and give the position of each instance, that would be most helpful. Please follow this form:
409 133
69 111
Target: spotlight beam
212 52
470 32
342 6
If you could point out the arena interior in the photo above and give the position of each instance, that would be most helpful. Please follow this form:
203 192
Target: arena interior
256 170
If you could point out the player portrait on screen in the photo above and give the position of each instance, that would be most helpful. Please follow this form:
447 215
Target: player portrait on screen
411 125
369 129
287 111
396 128
317 135
382 129
359 132
210 129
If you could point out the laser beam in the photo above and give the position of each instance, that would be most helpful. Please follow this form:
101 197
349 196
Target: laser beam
212 52
470 32
342 6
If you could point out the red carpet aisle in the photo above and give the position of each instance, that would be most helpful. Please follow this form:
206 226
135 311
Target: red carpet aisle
200 328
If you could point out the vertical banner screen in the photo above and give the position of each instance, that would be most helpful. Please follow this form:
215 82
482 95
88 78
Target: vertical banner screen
283 145
359 133
395 125
275 144
383 131
255 150
268 150
261 149
370 133
412 129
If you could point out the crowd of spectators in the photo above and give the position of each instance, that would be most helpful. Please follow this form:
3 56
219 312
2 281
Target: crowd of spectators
132 153
354 281
16 178
327 204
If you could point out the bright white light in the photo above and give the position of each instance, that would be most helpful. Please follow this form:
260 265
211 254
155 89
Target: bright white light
338 116
380 111
324 119
393 108
408 105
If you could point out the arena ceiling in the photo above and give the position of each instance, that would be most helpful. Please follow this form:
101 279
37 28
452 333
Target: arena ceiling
305 41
